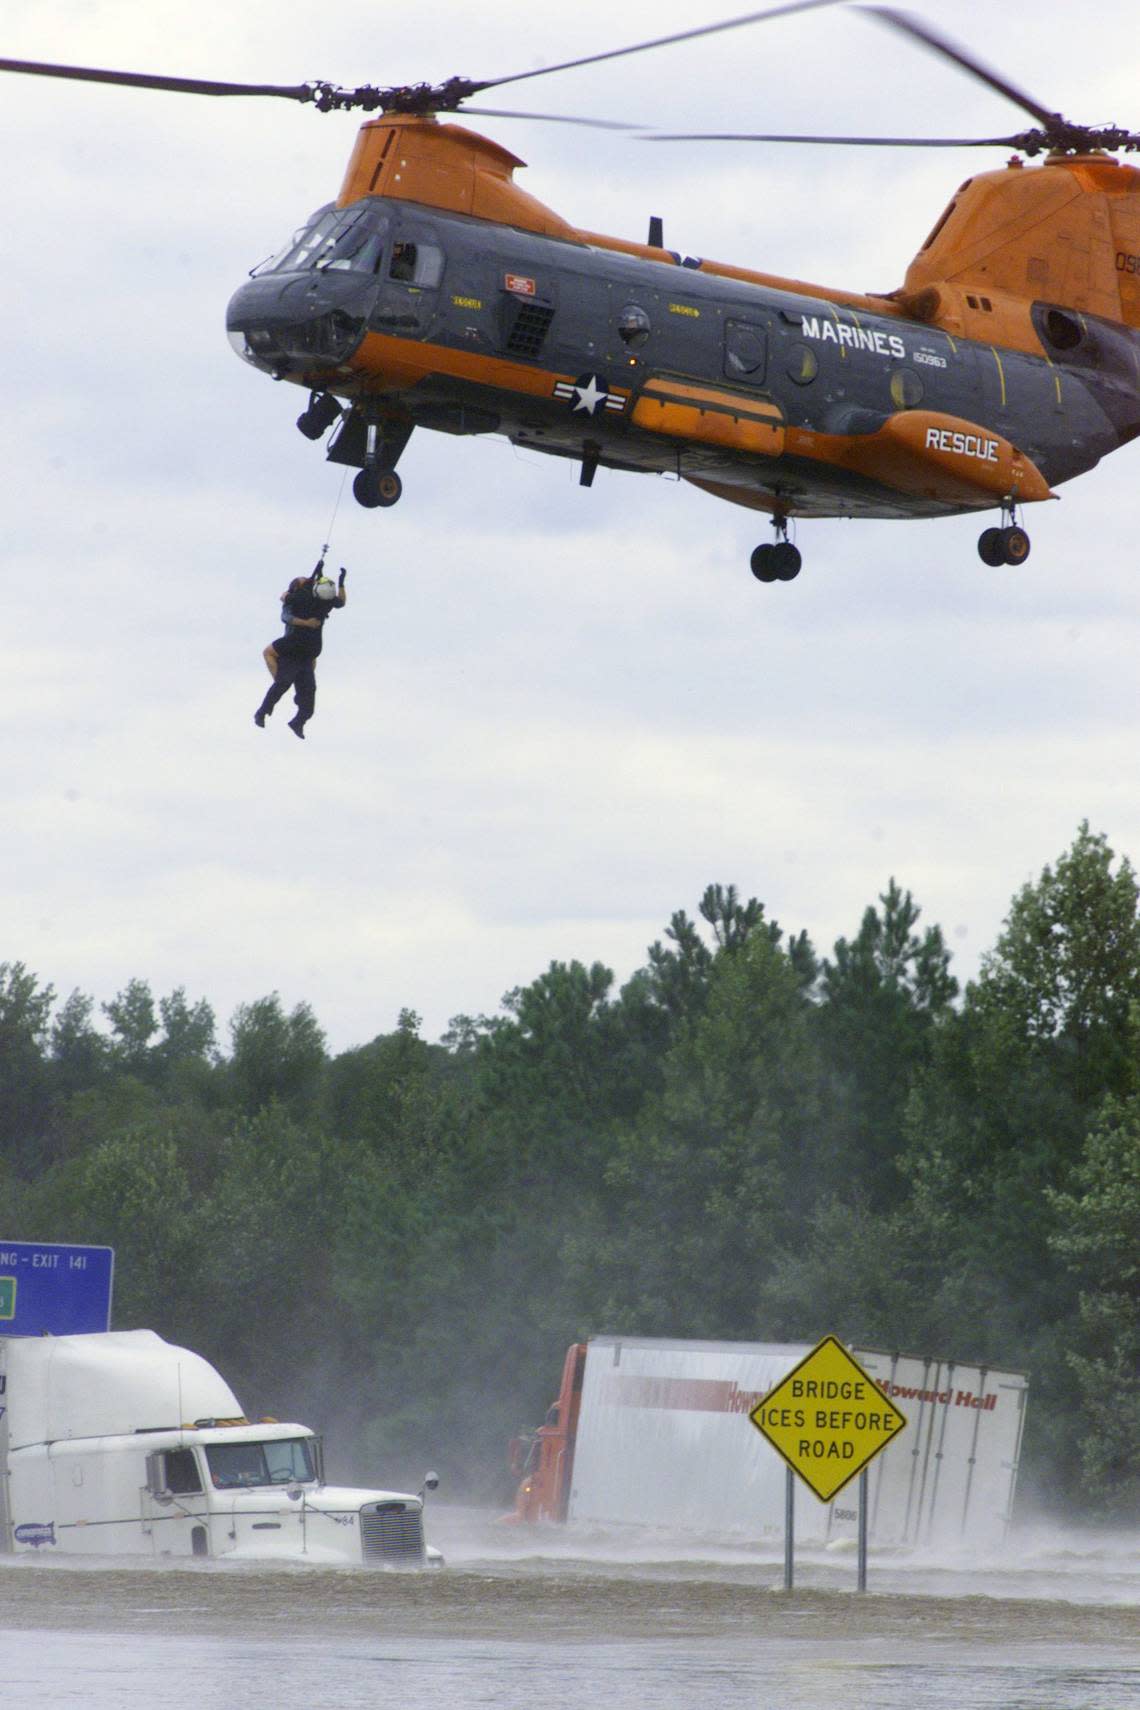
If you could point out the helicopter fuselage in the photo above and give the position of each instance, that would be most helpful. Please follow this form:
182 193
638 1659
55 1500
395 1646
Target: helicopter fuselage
774 398
437 292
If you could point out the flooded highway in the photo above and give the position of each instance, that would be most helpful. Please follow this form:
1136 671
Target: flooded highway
581 1619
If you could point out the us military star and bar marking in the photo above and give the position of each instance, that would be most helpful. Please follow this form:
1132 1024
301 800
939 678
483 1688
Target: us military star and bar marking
827 1418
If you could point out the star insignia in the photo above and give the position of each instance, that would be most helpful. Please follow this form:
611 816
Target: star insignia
589 394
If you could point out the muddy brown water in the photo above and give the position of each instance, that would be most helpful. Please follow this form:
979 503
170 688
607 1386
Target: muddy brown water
580 1620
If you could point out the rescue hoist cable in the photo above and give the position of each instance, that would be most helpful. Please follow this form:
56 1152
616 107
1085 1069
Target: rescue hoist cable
335 509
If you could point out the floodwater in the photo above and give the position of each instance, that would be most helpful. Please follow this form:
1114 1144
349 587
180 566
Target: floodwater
609 1621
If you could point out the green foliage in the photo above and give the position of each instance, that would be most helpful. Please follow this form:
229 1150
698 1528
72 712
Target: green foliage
24 1084
131 1191
1098 1237
882 996
276 1056
744 1141
133 1025
79 1053
717 1162
1065 973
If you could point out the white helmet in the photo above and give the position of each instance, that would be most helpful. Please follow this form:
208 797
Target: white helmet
325 590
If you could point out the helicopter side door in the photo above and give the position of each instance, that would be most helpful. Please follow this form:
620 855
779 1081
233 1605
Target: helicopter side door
411 271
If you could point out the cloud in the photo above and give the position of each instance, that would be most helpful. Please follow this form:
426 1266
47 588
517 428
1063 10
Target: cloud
549 716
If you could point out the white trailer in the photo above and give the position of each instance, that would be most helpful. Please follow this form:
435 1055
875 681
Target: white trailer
654 1432
120 1443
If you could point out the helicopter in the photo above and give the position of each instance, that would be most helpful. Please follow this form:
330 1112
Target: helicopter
435 292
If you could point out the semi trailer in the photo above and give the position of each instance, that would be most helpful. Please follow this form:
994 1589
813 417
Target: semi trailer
652 1432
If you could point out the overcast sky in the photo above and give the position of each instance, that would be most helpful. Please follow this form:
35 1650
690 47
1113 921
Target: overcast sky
549 716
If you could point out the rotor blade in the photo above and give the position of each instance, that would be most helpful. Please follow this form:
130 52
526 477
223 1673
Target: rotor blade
549 118
664 41
940 44
143 80
842 142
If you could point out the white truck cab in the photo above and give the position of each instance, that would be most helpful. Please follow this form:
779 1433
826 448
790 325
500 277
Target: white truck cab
120 1443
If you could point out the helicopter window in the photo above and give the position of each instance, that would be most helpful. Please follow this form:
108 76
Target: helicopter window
336 238
309 245
633 326
354 245
277 261
906 389
745 350
802 364
416 264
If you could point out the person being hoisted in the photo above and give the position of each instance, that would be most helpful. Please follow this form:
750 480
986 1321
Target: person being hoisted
292 658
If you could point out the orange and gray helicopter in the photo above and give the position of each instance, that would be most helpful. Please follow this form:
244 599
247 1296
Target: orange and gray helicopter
435 292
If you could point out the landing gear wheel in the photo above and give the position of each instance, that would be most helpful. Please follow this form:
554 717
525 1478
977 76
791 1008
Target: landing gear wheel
388 486
786 560
777 560
374 487
763 562
991 547
1014 545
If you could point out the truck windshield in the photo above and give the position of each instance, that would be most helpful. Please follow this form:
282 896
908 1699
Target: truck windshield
234 1466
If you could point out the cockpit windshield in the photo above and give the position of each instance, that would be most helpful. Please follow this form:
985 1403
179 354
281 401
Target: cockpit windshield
236 1466
335 239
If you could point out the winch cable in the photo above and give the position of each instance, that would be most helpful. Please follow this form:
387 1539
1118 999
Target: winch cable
335 509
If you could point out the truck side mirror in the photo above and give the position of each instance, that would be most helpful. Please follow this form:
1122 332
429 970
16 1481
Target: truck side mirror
431 1482
156 1479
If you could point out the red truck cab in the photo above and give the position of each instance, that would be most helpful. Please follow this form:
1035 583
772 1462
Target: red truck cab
543 1460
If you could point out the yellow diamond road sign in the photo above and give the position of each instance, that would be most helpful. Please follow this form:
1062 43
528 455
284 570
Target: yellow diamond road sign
827 1418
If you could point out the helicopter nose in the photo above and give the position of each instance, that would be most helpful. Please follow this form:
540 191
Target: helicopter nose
294 324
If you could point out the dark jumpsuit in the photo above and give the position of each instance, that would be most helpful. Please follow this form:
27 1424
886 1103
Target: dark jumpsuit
297 653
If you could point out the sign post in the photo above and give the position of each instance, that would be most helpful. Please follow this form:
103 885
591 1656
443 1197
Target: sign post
50 1289
828 1420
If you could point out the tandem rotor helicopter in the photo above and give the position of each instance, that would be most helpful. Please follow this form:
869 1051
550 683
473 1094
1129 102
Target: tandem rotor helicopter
435 292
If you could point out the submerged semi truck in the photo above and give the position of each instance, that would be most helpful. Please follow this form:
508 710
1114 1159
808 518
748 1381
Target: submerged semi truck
121 1443
651 1432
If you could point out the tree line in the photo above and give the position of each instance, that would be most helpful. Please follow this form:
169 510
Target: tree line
747 1141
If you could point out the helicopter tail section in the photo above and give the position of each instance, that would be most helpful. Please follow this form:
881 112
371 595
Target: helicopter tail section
1066 234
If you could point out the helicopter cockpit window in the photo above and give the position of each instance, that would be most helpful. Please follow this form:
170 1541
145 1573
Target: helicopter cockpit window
336 238
278 260
354 245
416 264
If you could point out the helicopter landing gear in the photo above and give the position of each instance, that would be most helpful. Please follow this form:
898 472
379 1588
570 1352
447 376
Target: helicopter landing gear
778 560
372 487
1006 545
377 483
